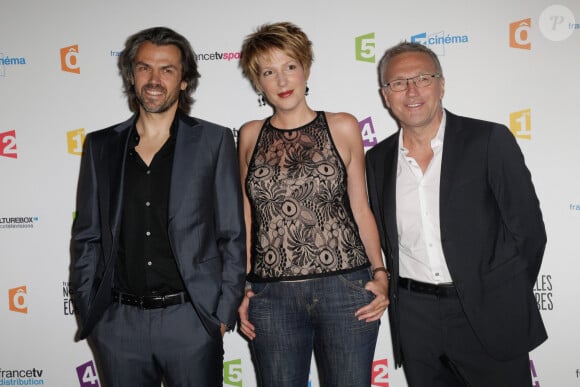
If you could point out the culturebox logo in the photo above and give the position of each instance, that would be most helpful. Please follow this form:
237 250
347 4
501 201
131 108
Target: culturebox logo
8 144
69 59
437 41
75 140
87 375
21 377
233 373
18 222
521 124
17 300
364 48
520 34
367 130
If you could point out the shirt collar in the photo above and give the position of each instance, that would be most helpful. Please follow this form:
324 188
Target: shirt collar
436 142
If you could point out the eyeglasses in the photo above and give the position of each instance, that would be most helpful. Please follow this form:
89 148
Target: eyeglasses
422 80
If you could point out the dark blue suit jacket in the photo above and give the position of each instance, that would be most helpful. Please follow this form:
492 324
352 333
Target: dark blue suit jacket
206 223
492 231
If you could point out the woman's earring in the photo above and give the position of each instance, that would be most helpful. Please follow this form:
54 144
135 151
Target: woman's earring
307 90
261 100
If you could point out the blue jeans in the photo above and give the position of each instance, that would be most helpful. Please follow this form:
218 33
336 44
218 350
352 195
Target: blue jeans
294 318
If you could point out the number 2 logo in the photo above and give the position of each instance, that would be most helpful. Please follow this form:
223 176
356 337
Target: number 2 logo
380 373
8 144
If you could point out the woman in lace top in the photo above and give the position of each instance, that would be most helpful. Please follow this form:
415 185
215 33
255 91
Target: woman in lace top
316 279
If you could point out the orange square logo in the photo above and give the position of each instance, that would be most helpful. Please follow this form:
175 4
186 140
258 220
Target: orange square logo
17 299
520 34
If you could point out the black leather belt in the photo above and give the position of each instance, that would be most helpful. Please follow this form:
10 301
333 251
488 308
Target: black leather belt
445 290
150 302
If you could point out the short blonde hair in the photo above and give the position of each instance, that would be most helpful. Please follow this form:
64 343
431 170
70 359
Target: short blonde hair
284 36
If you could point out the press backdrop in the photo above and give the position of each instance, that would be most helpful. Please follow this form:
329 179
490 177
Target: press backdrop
515 62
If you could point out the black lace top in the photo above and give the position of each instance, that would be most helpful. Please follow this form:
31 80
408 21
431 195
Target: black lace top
302 223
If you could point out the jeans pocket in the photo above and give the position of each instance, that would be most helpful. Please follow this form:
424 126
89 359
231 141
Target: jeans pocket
356 281
260 288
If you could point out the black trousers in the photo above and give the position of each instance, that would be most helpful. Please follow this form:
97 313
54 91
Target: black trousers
441 349
140 347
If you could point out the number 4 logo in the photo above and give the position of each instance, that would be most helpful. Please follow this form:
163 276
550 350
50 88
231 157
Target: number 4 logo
8 144
88 375
367 130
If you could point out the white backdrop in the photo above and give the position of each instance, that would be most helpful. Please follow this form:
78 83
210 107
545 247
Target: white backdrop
514 62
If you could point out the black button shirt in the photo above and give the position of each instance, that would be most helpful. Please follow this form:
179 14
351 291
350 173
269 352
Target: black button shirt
146 264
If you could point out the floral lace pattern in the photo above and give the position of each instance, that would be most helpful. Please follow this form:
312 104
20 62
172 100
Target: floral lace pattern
302 224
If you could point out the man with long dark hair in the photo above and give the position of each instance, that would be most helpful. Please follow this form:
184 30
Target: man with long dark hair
158 245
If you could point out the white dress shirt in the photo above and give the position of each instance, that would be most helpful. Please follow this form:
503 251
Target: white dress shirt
420 251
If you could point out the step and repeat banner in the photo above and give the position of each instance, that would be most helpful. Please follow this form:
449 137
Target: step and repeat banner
515 62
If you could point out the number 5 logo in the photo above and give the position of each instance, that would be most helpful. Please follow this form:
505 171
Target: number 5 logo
365 47
233 373
87 375
8 144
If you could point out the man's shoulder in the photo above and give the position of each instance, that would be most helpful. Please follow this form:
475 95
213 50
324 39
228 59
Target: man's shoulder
110 130
470 122
384 145
201 124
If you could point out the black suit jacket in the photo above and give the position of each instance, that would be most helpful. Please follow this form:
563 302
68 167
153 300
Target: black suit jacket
205 225
492 231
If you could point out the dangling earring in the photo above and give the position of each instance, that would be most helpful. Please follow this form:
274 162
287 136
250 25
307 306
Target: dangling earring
261 100
307 90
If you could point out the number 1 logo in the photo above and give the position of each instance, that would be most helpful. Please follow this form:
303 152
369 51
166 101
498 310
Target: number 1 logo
521 124
8 144
75 139
87 375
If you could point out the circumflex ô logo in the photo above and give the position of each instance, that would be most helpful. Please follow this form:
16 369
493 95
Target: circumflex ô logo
17 300
520 34
69 59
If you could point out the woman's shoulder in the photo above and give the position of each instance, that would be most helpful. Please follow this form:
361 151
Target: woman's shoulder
342 123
